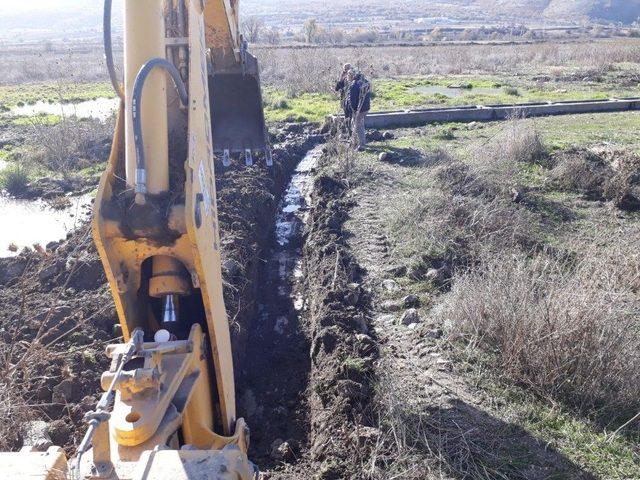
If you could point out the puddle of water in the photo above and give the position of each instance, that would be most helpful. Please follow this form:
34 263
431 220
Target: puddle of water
35 222
101 108
296 198
454 92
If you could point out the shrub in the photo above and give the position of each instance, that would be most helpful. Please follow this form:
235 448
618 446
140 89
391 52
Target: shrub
14 179
68 144
511 91
568 329
520 142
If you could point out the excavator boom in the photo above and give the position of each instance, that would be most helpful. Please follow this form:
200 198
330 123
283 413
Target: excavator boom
191 91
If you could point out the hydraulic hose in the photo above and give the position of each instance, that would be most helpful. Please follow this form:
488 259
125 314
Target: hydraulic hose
141 173
108 48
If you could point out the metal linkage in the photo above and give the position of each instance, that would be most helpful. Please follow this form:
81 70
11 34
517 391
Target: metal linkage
98 418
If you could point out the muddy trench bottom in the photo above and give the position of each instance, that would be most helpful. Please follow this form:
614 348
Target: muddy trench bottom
272 386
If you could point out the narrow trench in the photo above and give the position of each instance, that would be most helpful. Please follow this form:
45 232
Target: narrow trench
277 364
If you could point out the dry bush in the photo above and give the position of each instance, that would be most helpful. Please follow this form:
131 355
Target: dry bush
69 145
342 154
569 330
471 207
316 69
521 142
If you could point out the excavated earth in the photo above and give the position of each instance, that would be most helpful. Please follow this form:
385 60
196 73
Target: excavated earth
300 321
58 315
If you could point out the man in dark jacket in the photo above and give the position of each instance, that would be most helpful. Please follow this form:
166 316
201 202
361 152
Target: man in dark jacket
342 86
360 104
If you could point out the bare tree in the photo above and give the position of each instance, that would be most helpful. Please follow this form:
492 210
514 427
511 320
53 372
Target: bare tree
436 34
335 36
252 28
310 30
272 36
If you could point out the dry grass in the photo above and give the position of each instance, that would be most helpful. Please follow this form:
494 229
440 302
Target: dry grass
565 325
68 145
569 330
70 64
470 206
315 69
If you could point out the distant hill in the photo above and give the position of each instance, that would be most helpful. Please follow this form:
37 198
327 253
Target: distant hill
625 11
47 20
38 20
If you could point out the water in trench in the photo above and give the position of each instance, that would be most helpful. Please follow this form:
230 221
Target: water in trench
28 222
278 362
100 108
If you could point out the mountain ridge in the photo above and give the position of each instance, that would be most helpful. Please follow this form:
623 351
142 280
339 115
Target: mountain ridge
79 19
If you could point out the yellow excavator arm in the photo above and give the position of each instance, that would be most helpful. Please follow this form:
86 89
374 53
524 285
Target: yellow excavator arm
191 92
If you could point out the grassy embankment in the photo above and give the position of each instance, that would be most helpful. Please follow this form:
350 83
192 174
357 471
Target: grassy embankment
393 94
540 296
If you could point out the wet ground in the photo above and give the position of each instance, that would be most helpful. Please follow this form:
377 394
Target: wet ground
273 385
33 222
100 108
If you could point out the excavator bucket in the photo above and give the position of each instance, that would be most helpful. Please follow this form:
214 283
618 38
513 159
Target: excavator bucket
237 116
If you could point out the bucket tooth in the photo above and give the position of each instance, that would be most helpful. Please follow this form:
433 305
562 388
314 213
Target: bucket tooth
268 157
248 157
226 157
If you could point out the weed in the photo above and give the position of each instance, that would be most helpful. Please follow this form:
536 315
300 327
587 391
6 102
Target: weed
445 133
511 91
561 327
14 179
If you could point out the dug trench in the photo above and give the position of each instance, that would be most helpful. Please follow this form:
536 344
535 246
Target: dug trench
307 381
58 314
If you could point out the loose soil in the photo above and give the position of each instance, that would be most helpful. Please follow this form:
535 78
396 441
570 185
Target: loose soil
58 314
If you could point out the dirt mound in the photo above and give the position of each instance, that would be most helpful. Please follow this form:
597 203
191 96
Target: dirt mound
343 349
600 174
58 313
57 317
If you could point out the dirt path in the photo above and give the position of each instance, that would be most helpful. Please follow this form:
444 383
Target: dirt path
443 427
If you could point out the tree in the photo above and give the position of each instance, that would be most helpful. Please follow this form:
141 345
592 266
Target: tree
436 34
272 36
252 28
335 36
310 30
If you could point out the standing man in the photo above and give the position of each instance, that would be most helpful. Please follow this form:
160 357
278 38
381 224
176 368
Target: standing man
360 104
342 86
